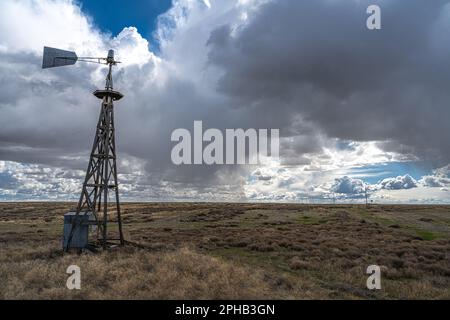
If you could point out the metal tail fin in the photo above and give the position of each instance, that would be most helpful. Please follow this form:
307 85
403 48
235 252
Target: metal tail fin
58 58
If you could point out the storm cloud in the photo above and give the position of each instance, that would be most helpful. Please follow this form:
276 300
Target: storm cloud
315 60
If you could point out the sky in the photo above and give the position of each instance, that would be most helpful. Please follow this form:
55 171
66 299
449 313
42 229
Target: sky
112 16
358 110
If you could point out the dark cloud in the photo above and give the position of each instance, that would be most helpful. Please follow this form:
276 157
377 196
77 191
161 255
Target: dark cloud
317 60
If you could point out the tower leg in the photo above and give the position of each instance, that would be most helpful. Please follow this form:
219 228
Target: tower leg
114 168
107 140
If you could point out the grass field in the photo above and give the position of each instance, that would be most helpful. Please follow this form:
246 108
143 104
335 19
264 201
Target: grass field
233 251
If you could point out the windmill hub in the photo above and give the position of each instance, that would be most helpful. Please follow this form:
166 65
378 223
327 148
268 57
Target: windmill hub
110 58
115 95
92 212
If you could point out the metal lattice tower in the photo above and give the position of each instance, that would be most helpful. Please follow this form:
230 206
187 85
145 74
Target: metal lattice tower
101 175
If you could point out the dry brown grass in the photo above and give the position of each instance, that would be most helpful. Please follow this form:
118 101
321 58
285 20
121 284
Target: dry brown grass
128 273
234 251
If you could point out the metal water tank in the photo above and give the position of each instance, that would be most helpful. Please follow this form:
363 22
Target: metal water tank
80 236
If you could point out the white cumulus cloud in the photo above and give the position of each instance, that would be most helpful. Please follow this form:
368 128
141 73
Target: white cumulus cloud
399 182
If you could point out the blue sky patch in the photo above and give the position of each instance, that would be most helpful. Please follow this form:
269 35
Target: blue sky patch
113 15
374 173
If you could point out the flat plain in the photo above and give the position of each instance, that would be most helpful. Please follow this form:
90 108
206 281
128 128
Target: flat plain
233 251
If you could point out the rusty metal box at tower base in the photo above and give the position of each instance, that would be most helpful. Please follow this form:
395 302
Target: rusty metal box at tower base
80 236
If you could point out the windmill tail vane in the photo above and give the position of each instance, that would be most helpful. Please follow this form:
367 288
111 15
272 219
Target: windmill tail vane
93 212
59 58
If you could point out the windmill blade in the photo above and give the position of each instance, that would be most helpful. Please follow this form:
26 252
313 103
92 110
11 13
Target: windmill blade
58 58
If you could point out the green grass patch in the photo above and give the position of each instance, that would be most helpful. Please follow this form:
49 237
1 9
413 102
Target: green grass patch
307 220
427 235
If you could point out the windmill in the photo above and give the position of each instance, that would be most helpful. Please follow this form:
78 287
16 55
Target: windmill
101 174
